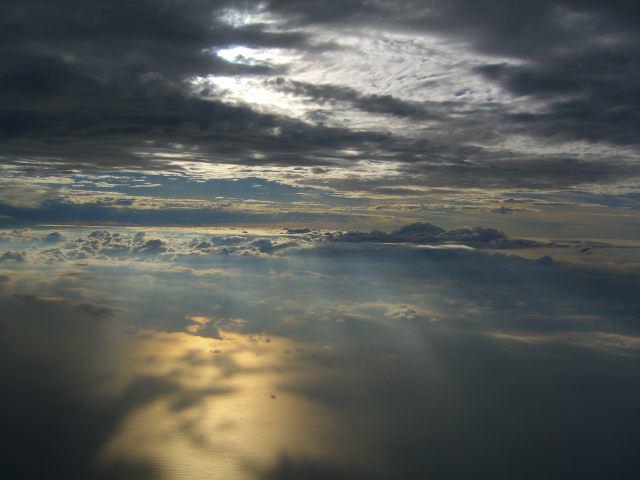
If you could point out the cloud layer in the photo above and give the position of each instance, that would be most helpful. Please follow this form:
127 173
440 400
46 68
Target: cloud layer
216 341
111 84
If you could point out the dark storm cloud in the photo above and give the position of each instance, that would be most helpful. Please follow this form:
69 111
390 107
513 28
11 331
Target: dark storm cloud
106 84
381 104
582 56
506 27
592 96
107 127
92 82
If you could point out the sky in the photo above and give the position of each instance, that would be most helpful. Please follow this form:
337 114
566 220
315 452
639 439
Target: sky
348 239
371 113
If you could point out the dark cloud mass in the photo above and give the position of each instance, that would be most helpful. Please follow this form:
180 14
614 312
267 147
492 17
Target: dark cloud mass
382 104
580 57
107 84
94 81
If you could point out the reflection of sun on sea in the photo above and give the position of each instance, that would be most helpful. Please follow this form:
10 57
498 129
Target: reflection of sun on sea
222 407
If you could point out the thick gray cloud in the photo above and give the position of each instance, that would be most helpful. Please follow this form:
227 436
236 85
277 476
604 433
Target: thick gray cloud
579 56
108 84
92 82
382 104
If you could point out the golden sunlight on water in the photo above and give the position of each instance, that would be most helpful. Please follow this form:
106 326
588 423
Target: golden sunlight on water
224 407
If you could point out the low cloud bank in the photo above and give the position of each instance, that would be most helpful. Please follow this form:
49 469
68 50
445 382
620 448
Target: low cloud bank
123 243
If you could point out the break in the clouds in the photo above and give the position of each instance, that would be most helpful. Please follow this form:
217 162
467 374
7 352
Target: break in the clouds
466 94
